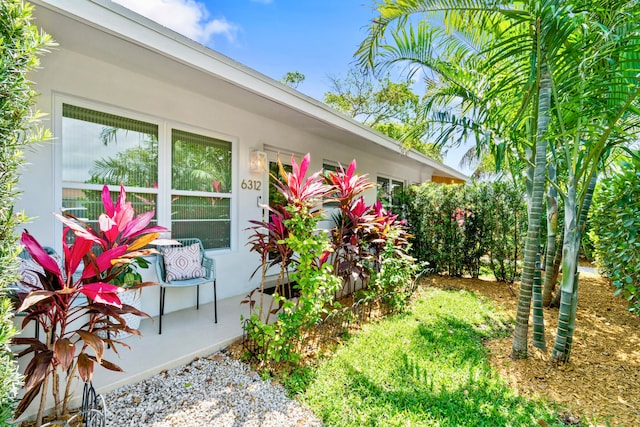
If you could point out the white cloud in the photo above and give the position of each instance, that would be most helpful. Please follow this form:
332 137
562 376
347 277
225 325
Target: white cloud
188 17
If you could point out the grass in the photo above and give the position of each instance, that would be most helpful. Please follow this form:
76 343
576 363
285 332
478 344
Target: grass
423 368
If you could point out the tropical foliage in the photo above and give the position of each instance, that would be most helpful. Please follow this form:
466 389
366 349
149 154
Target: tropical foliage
21 43
615 222
79 310
525 80
364 254
298 245
389 107
456 227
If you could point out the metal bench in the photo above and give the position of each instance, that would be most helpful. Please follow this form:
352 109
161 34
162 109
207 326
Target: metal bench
209 265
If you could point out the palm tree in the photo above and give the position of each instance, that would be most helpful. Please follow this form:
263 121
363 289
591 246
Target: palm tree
599 112
510 48
522 71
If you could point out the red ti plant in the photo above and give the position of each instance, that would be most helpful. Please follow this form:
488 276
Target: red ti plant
354 223
346 185
72 307
267 240
303 195
293 231
300 191
387 225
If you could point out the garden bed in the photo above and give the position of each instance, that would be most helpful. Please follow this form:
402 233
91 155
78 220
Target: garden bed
602 380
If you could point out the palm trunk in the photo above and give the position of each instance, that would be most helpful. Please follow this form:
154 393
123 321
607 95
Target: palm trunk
554 299
543 293
586 204
531 257
552 230
516 241
571 252
538 312
569 287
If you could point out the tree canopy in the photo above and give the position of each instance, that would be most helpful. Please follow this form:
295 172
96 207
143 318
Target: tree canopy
551 83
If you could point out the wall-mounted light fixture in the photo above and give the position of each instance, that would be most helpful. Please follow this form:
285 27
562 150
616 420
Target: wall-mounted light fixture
257 161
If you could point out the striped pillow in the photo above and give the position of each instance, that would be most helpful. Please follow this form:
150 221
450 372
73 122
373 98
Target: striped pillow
183 263
29 271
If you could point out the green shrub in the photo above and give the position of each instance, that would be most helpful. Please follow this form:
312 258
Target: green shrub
615 222
509 226
366 247
20 45
456 226
433 214
395 280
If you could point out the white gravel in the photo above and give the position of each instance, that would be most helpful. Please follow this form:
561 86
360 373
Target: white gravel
212 391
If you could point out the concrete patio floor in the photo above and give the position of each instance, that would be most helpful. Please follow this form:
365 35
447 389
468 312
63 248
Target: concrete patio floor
186 334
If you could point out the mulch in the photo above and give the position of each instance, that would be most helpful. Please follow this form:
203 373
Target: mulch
600 385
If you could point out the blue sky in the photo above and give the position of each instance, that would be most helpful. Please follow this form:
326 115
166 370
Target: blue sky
315 37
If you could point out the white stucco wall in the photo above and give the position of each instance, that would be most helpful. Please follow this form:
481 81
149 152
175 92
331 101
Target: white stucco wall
72 76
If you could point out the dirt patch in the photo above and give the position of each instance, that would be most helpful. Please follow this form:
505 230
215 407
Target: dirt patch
602 380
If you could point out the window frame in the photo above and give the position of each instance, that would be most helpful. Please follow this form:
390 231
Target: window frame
330 166
390 182
163 192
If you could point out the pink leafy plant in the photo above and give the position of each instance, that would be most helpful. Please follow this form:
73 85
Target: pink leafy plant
80 311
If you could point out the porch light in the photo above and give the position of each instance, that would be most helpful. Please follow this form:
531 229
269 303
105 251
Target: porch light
257 161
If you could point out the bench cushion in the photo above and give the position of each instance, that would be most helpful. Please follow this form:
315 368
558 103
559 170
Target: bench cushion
182 263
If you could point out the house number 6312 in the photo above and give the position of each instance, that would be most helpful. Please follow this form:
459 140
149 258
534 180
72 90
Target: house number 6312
251 184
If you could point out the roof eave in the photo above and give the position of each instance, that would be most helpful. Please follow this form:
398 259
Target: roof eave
103 14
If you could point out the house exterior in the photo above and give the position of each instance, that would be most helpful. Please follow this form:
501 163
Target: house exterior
188 131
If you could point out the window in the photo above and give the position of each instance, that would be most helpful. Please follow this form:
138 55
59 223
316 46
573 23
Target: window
390 193
326 169
102 148
201 188
275 197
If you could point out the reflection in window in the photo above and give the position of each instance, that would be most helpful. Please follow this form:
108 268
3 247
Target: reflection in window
275 197
390 193
201 187
326 169
101 148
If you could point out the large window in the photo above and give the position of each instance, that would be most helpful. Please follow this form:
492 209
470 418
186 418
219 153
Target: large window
101 148
201 188
390 193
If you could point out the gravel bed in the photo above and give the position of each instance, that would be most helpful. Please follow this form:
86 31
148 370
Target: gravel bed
211 391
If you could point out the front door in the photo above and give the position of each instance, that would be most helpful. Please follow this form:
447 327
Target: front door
273 196
274 199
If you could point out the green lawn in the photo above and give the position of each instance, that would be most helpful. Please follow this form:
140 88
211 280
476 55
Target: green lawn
424 368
